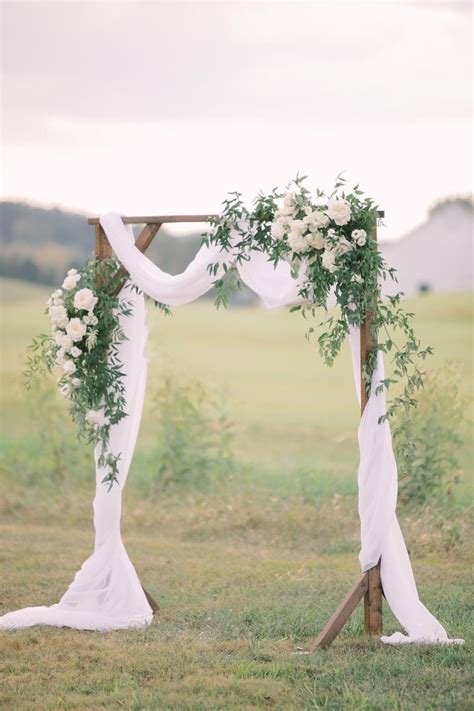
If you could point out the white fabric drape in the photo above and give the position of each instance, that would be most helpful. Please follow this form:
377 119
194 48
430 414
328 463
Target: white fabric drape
106 593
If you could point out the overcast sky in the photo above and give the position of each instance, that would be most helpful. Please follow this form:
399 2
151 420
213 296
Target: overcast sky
155 107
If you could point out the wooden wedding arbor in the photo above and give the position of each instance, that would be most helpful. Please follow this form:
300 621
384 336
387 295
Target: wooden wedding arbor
368 585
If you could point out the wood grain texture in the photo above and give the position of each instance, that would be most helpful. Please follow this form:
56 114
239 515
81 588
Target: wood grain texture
143 241
373 618
330 631
157 219
162 219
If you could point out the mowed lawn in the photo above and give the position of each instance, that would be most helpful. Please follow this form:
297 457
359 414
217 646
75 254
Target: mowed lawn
246 571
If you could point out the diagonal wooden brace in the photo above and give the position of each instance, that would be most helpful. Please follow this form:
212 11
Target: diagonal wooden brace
332 628
142 243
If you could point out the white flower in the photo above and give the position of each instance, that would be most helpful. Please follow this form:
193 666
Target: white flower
328 260
69 367
297 242
357 278
288 207
63 340
60 357
85 300
90 320
277 230
339 211
72 271
316 220
92 417
316 240
65 390
76 329
58 316
359 236
75 352
298 227
343 246
71 281
76 382
283 218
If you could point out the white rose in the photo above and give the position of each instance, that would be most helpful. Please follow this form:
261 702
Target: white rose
63 340
359 236
298 227
75 352
58 316
76 329
71 281
343 246
328 260
69 367
316 240
60 357
339 211
65 390
357 278
277 230
288 207
316 220
283 218
92 417
85 300
76 382
297 242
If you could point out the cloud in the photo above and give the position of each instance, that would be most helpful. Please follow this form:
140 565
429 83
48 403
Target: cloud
207 61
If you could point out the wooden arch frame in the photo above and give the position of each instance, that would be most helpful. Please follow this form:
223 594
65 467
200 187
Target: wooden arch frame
368 585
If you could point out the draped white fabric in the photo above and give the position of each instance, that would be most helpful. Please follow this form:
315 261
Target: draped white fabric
106 593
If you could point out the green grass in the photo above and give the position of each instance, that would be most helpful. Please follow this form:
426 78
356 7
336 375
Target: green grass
246 570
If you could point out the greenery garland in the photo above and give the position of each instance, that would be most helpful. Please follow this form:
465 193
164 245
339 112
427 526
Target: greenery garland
85 333
327 241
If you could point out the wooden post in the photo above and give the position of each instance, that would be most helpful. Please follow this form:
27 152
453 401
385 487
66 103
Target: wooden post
373 597
368 585
103 249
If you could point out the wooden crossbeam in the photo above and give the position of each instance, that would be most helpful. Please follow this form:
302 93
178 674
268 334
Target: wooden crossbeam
157 219
163 219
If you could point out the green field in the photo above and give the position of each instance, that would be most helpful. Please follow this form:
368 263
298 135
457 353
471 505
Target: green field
245 566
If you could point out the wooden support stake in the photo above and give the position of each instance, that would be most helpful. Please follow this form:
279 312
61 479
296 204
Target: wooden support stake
332 628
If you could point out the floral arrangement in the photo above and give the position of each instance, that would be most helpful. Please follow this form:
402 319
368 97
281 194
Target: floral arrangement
328 241
85 332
